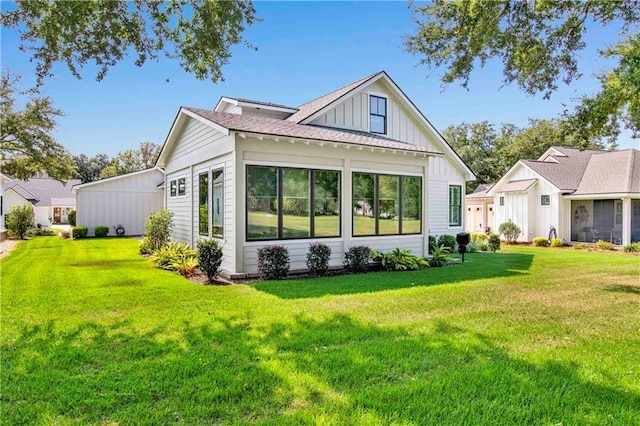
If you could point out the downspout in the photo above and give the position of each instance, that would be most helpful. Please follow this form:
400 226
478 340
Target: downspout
191 202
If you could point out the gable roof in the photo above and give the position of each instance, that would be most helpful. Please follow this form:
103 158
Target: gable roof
577 172
481 191
44 190
310 108
284 128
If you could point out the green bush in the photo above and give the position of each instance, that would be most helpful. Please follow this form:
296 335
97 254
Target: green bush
440 257
19 220
510 230
273 262
484 245
356 259
101 231
581 246
632 248
166 256
494 243
186 266
145 246
399 260
158 228
556 242
541 242
603 245
432 243
40 232
80 231
474 247
71 217
479 236
447 241
210 258
318 259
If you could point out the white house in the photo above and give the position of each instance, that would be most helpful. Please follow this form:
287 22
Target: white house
585 195
51 199
124 200
480 216
358 166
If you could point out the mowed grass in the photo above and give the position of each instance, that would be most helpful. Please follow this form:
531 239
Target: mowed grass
92 334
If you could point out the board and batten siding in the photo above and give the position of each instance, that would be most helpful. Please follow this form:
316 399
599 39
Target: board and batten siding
125 200
226 164
180 206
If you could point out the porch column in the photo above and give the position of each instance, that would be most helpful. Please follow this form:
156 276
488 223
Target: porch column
626 221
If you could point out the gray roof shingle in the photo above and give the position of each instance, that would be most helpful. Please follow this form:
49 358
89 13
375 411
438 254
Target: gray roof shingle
284 128
46 189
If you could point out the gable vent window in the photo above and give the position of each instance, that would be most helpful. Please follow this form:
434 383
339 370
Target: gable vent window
545 200
378 115
502 201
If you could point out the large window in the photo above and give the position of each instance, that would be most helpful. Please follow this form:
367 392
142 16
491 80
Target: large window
455 205
378 114
280 200
203 203
217 217
386 204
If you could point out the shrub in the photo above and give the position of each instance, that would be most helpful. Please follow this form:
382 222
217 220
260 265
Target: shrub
71 217
166 256
40 232
556 242
484 245
581 246
447 241
19 220
210 258
356 259
432 243
479 236
318 259
158 228
273 262
603 245
400 260
510 230
101 231
473 247
186 266
632 248
65 235
494 243
540 242
79 231
440 257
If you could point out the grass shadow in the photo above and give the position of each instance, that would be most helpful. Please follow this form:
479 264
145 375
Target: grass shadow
622 288
476 267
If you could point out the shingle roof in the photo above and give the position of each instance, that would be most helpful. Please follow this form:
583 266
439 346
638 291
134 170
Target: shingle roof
566 172
611 172
44 189
481 191
275 127
310 108
251 101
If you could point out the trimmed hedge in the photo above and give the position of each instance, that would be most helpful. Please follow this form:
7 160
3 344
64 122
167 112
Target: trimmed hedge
101 231
80 232
273 262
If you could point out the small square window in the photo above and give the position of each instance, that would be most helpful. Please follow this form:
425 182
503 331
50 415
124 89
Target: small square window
545 200
182 186
502 201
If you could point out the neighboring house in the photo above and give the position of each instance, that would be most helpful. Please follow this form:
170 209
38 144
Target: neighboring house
124 200
358 166
4 180
480 214
585 195
51 199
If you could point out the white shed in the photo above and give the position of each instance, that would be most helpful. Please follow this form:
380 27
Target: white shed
124 200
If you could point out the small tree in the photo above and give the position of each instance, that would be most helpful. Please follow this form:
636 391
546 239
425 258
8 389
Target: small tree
318 259
19 220
71 217
494 243
210 258
510 230
158 228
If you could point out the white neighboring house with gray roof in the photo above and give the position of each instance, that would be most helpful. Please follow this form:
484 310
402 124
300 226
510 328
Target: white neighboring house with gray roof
51 200
585 195
358 166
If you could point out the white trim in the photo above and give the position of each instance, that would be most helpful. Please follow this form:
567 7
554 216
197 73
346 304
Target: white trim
259 105
75 188
13 188
605 196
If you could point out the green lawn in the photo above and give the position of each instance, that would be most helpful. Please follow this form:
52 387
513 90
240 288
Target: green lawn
92 334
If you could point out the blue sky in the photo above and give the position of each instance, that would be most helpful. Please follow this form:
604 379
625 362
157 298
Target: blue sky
305 49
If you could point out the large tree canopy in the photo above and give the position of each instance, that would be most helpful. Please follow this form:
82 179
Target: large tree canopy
539 43
199 33
26 144
132 160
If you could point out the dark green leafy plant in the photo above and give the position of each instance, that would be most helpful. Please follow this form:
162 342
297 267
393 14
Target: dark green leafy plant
210 258
79 231
356 259
494 243
19 220
71 217
318 259
273 262
101 231
400 260
158 227
440 257
447 241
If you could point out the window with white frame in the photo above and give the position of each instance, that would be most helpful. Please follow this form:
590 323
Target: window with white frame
545 200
